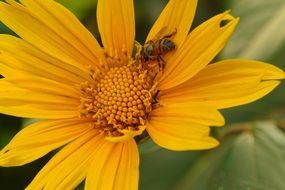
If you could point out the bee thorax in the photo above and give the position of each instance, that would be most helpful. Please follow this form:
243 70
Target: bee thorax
168 45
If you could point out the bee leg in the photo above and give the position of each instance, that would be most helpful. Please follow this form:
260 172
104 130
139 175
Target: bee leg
155 75
163 66
155 102
161 63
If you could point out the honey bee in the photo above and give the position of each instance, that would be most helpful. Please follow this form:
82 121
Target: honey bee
154 49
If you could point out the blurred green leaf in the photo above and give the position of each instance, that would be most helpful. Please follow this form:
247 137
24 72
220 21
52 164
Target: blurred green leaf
251 156
161 169
5 30
9 126
261 31
147 147
79 8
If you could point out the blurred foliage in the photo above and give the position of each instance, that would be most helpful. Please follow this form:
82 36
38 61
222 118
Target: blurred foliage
79 8
9 127
251 155
261 26
163 169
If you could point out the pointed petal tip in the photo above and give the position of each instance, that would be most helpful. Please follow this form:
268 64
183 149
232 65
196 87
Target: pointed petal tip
2 162
220 120
226 16
279 74
5 161
215 143
205 144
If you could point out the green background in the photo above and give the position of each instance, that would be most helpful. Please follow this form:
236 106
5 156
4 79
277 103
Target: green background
252 151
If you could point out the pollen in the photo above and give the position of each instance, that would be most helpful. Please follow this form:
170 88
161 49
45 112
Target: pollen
118 101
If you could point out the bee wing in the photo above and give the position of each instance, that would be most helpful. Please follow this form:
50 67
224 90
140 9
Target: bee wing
159 35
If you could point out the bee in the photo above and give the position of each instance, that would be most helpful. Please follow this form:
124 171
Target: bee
154 49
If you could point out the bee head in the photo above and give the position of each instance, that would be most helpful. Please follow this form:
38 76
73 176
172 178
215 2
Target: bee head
148 50
168 45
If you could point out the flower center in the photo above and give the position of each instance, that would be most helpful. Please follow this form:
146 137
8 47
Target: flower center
118 101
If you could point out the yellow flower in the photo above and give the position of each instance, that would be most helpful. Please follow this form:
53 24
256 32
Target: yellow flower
93 101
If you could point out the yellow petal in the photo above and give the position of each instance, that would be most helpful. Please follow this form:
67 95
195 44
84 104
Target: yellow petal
40 138
127 176
42 85
183 126
116 22
41 112
227 83
115 167
187 113
22 102
31 61
67 26
11 96
177 15
199 48
179 137
256 93
41 33
68 168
